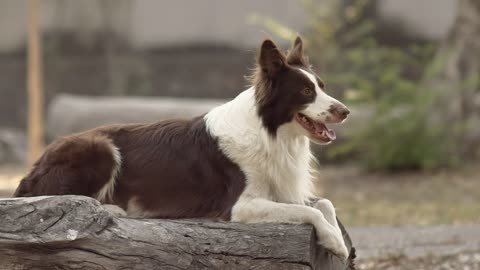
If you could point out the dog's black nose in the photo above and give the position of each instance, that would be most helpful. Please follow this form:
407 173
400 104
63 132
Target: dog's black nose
343 112
339 110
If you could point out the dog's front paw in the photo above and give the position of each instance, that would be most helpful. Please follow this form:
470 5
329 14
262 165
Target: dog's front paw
326 206
328 210
335 244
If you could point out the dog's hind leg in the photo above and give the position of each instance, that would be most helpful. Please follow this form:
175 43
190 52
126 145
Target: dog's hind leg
79 165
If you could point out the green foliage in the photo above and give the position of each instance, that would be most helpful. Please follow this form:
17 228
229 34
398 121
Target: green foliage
385 78
401 135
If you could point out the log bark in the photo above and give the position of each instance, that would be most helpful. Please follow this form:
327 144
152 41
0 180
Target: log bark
76 232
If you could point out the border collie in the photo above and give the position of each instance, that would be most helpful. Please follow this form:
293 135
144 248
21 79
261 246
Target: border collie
247 160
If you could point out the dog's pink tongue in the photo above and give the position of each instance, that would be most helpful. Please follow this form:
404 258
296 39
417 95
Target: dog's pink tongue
331 134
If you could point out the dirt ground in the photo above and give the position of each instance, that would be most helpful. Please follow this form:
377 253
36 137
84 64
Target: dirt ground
469 261
442 197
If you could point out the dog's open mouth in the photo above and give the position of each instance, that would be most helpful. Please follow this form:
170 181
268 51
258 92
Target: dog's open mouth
317 130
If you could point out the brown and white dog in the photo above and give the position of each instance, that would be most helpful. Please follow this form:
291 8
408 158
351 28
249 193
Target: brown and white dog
247 160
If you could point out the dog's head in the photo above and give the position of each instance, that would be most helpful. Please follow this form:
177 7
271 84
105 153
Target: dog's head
287 91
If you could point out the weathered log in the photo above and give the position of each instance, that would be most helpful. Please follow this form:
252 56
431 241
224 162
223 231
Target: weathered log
76 232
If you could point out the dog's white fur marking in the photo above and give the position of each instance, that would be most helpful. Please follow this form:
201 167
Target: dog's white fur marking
322 102
135 209
277 169
105 194
275 163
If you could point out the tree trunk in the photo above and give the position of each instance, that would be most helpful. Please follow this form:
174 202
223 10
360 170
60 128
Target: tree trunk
75 232
455 76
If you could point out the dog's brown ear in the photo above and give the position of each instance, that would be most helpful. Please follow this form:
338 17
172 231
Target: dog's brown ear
295 55
271 60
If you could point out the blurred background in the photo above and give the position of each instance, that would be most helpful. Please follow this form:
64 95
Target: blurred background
410 71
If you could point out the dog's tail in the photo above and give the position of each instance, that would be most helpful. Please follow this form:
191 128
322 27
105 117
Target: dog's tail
26 186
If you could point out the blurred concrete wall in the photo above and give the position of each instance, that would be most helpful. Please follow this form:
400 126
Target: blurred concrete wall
153 23
158 23
211 21
128 47
429 19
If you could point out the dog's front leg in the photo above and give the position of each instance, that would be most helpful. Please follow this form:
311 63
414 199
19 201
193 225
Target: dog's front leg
328 210
258 210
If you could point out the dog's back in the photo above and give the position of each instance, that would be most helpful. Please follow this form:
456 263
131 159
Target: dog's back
167 169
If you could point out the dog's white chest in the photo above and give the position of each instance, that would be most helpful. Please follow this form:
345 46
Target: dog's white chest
276 168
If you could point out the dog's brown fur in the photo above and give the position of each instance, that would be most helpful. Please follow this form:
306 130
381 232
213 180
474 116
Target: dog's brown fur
171 168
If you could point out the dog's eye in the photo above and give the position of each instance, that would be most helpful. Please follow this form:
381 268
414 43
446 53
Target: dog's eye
306 91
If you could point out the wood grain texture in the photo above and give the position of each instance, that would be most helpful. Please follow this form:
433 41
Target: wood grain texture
75 232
